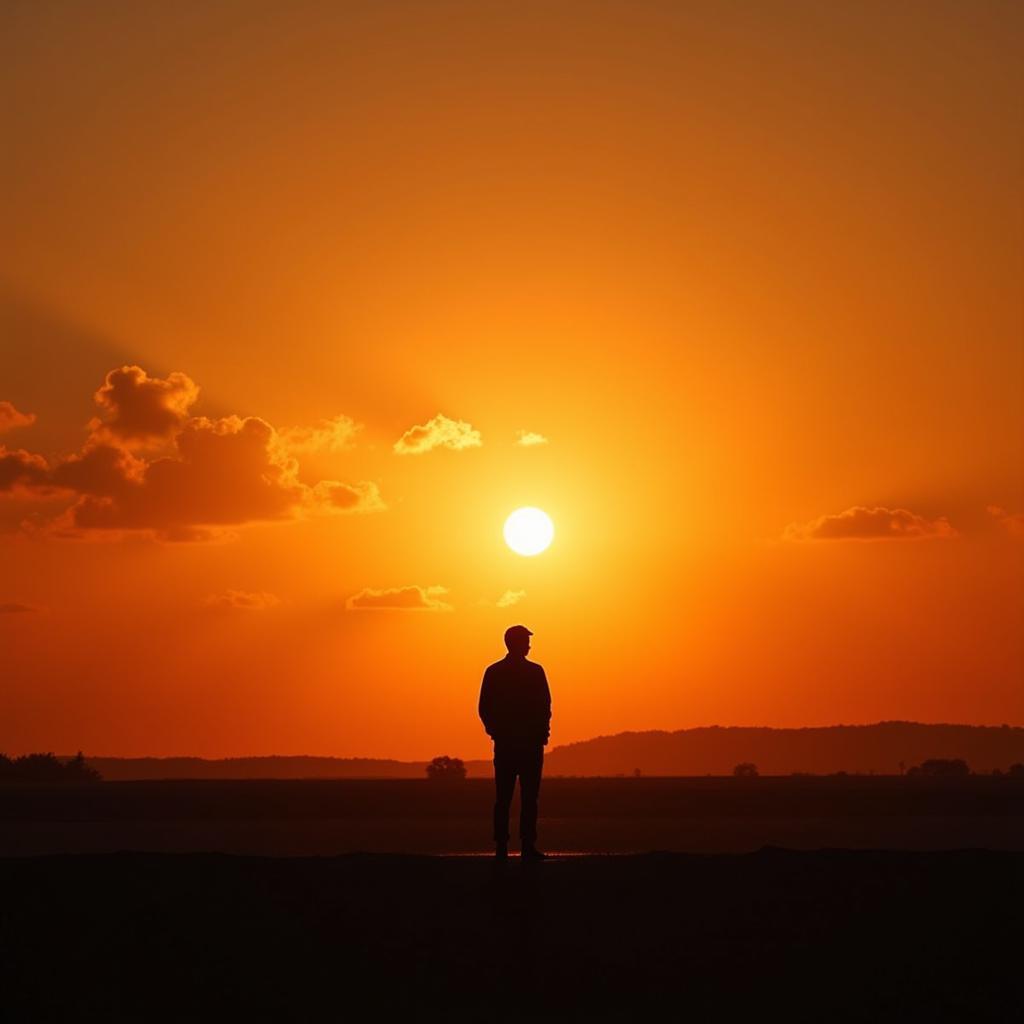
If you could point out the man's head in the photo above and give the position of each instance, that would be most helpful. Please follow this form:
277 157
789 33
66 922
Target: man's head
517 640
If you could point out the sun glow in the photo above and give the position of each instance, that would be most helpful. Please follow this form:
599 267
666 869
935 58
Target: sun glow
529 531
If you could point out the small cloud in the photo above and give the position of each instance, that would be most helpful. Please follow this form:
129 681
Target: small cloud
243 600
14 608
510 597
1012 522
185 534
528 438
138 409
400 598
329 435
440 432
860 523
11 419
332 496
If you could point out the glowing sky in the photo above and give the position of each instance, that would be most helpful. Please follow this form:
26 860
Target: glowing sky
300 301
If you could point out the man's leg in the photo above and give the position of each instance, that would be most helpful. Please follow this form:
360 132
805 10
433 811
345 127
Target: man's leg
504 785
530 766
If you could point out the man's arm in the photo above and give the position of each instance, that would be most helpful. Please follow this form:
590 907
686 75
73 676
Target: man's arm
485 706
547 705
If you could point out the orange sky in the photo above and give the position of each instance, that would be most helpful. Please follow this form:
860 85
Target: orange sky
752 270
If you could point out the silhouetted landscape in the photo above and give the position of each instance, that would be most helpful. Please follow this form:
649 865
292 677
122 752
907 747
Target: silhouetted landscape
886 748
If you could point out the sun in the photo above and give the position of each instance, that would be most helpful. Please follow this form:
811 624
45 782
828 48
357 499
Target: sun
529 531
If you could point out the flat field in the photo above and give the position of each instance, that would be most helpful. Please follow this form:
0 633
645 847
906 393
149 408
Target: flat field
616 815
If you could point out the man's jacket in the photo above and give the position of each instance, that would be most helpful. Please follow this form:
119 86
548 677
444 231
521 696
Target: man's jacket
515 702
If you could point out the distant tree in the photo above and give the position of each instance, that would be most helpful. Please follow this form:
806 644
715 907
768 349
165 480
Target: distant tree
77 770
637 773
446 769
746 770
1016 771
6 767
941 768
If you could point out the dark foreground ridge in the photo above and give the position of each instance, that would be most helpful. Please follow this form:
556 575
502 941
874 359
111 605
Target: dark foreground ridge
828 935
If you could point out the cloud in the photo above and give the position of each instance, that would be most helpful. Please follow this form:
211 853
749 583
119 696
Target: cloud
1012 522
211 473
528 438
136 409
11 419
20 470
860 523
510 597
329 435
99 469
400 598
224 471
243 600
335 496
14 608
440 432
195 535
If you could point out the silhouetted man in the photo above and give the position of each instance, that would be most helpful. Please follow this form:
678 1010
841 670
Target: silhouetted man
515 707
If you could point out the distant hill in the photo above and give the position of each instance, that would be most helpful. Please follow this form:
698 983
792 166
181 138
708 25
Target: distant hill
124 768
716 749
712 750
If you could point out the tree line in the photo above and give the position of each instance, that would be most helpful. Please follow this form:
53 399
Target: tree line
46 768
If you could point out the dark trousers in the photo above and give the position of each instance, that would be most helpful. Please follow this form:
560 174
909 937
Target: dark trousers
527 761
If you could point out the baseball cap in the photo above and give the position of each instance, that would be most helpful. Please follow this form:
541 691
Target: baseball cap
516 631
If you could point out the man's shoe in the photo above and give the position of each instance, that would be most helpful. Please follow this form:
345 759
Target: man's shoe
532 853
501 851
